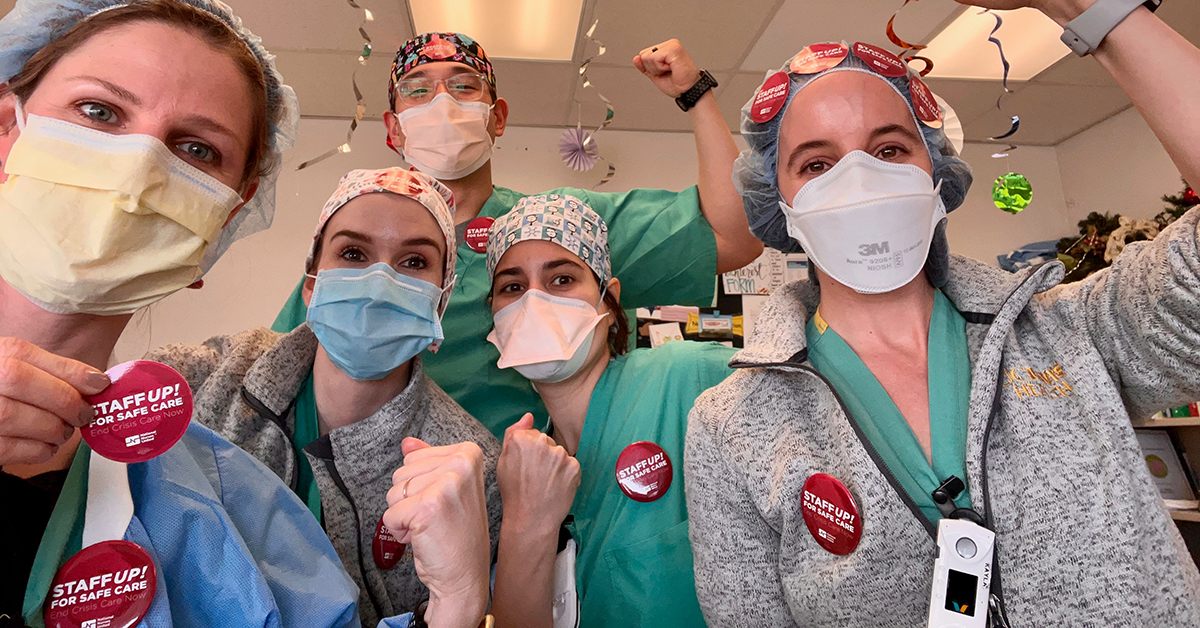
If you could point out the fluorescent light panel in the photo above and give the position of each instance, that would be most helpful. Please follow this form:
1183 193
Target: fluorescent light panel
962 50
516 29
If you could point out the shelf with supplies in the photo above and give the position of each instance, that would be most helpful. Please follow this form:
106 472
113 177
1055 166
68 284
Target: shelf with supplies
1158 421
1185 515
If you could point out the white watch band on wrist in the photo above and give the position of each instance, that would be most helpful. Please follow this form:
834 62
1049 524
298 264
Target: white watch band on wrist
1084 34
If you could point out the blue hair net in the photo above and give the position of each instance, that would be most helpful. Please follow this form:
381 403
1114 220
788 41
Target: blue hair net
755 176
32 24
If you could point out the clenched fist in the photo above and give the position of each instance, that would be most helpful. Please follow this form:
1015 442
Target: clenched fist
436 505
537 478
669 67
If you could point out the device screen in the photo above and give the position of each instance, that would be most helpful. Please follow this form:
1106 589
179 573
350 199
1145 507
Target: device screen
960 592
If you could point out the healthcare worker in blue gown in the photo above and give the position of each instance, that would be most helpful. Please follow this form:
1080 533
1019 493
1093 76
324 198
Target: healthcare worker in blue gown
124 179
611 459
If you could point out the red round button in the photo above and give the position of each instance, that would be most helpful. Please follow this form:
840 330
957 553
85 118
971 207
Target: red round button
880 60
644 471
477 233
108 584
925 104
387 550
818 58
770 97
830 514
143 413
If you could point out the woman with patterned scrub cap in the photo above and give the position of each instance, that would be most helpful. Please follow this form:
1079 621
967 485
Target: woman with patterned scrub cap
903 399
337 405
606 473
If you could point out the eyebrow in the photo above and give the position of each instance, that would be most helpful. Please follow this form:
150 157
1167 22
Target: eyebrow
516 271
117 90
353 235
886 129
455 70
196 120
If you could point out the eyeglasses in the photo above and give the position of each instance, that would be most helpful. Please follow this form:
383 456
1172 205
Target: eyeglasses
466 87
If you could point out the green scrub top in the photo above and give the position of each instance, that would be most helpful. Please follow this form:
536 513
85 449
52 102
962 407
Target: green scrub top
882 423
62 539
662 249
305 433
634 563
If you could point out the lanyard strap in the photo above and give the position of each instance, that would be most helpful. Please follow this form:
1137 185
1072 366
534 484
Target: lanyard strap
109 501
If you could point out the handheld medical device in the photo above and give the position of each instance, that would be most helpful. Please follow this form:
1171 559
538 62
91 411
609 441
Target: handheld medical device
962 575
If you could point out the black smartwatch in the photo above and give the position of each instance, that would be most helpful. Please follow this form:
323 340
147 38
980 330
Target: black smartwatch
688 99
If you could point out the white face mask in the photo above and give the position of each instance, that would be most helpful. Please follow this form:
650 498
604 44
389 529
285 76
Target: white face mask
545 338
867 223
446 139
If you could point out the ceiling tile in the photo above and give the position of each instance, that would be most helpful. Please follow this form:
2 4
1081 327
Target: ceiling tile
538 92
970 99
735 93
1073 70
325 24
638 103
322 82
716 35
802 22
1049 113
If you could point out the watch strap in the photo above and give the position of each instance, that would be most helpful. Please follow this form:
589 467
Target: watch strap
1084 34
688 99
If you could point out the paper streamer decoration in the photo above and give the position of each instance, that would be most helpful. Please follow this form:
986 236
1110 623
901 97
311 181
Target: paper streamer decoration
361 108
578 149
907 48
1015 123
575 146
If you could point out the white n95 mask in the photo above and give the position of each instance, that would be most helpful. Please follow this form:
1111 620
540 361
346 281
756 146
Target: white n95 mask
867 223
545 338
103 224
446 139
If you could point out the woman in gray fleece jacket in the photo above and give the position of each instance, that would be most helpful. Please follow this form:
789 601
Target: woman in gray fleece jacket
328 405
898 366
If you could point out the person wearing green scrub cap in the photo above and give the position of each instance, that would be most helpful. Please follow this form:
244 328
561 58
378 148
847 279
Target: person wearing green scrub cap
607 470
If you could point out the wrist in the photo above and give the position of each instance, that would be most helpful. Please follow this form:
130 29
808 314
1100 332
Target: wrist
528 529
459 611
1063 11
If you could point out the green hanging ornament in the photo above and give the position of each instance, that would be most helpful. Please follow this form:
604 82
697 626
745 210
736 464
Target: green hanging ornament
1012 192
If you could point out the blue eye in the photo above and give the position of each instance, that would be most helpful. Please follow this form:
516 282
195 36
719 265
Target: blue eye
198 151
98 112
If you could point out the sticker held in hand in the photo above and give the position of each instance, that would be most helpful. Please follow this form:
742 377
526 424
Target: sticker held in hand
110 584
142 414
644 471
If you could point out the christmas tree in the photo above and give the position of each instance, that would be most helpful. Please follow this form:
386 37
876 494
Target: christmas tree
1084 254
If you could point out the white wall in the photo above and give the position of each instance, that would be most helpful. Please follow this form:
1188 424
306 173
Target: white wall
1117 166
246 288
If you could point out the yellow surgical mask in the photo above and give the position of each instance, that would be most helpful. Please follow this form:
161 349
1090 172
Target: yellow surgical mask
103 224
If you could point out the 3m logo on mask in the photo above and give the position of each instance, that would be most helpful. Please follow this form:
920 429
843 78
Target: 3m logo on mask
879 248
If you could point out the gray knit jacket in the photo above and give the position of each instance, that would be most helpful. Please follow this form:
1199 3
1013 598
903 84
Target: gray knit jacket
245 387
1057 371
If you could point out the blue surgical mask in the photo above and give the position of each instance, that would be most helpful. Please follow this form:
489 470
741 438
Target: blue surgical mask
372 320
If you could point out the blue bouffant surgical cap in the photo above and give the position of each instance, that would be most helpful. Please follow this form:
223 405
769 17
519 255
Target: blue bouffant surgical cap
755 174
32 24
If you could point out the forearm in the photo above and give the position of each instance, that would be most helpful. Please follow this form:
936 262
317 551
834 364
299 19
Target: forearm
524 589
1160 72
719 201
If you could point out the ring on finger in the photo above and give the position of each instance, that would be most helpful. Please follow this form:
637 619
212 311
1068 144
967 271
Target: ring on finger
404 490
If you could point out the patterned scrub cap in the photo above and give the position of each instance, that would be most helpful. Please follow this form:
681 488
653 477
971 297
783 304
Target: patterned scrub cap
415 185
433 47
558 218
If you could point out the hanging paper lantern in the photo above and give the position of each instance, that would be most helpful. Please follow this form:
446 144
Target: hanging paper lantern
1012 192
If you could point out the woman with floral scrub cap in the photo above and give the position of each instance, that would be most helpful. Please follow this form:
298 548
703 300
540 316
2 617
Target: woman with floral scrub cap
122 183
334 406
902 394
609 464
